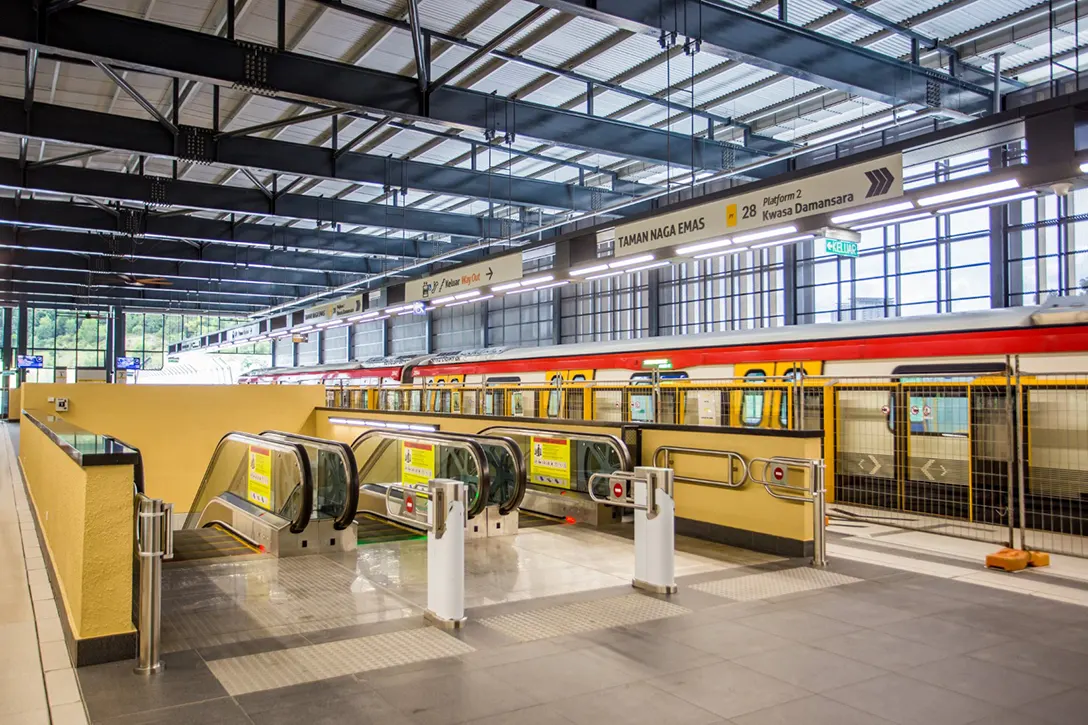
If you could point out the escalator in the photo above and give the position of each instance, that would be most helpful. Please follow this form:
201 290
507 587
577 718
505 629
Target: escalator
559 465
490 466
277 493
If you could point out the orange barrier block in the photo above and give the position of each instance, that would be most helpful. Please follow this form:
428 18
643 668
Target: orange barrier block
1008 559
1038 558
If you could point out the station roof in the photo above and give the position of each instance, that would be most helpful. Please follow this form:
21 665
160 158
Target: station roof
147 160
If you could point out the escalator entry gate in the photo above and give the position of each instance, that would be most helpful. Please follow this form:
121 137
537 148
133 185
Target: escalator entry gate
649 492
438 507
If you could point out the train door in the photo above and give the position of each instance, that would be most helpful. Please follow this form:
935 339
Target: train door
937 452
495 402
804 410
567 400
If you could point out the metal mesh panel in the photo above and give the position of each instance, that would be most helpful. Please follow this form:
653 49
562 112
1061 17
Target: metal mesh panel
335 343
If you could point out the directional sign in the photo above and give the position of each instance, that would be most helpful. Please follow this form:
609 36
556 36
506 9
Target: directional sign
774 206
841 247
927 470
464 279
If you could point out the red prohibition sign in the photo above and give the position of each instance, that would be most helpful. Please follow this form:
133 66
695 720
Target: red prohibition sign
409 504
779 473
617 490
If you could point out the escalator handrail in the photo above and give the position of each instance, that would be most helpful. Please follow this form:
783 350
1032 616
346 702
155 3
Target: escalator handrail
519 466
302 519
620 447
351 501
137 468
477 451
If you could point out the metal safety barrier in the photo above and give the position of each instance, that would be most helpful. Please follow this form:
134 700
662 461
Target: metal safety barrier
439 508
773 475
649 491
154 542
663 458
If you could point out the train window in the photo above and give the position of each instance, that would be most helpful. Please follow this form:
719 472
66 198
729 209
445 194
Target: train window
935 409
751 413
416 401
554 397
648 378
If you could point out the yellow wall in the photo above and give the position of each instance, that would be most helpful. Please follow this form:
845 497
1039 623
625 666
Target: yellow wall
176 427
749 508
15 406
86 517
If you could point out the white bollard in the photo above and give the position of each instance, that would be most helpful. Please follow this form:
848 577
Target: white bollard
655 530
446 554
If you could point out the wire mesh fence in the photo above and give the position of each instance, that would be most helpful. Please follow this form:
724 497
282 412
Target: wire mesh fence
990 454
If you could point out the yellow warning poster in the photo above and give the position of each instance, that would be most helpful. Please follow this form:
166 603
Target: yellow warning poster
259 490
416 462
550 462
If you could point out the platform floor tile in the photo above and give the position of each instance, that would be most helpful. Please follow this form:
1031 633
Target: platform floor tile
270 670
774 584
579 617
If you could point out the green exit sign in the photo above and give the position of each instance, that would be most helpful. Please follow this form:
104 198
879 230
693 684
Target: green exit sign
841 247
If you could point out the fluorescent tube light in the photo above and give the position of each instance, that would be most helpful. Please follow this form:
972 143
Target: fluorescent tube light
537 280
1084 168
703 246
467 295
443 300
893 220
873 212
588 270
627 262
802 238
619 272
756 236
504 287
987 202
969 192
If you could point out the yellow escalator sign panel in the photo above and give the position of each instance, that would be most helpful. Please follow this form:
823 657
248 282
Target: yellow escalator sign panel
550 461
259 490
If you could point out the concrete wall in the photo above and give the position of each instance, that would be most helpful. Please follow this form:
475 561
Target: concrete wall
176 427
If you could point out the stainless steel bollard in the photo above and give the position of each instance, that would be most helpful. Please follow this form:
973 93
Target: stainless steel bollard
819 512
153 534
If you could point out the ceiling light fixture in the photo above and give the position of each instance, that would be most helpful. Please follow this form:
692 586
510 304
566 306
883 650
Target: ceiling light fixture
703 246
756 236
504 287
969 192
988 202
894 220
578 272
627 262
873 212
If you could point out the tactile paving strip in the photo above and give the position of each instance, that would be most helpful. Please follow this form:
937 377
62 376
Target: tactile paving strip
582 617
283 668
774 583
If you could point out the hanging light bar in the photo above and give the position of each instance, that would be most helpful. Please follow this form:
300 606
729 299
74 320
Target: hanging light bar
873 212
969 192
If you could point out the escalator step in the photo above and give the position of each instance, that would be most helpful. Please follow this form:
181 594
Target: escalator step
210 543
375 530
530 520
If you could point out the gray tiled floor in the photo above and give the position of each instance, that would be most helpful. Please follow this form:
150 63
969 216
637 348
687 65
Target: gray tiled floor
898 648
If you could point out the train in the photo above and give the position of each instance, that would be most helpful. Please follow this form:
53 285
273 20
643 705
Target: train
930 414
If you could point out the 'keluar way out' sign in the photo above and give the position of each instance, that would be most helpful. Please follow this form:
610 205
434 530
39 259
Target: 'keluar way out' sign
464 279
779 205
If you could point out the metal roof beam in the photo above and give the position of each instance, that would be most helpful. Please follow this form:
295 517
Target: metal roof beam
161 190
182 288
50 297
143 45
767 43
236 257
122 133
254 278
62 215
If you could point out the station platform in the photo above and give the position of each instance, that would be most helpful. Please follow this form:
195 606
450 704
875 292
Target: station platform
891 631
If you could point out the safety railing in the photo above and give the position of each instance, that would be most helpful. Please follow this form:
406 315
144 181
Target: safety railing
664 455
421 457
336 477
773 474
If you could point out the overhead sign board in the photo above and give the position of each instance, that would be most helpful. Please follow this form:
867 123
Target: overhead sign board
190 345
833 191
330 311
464 279
376 299
241 333
841 247
30 361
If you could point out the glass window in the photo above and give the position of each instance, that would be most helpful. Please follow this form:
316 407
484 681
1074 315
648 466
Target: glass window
751 413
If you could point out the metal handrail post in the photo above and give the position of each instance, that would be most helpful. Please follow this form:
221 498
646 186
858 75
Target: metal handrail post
154 541
819 510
